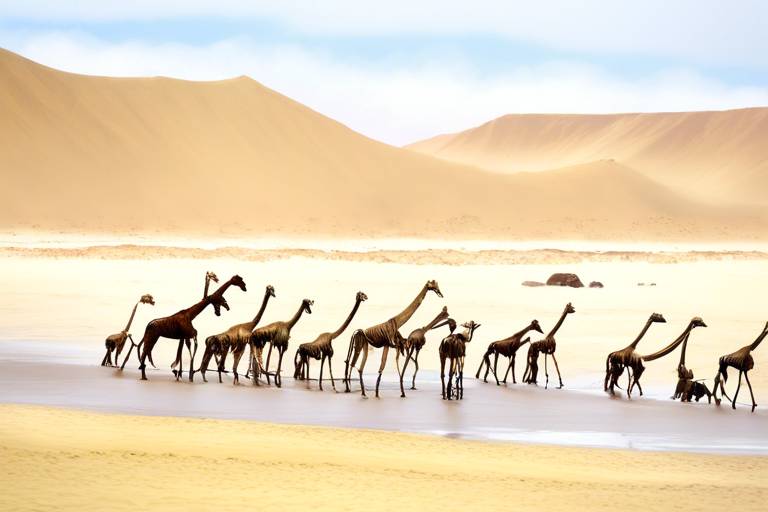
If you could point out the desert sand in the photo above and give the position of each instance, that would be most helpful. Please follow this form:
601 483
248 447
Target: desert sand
71 460
127 155
720 156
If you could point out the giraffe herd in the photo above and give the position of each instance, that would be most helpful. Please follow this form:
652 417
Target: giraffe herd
386 335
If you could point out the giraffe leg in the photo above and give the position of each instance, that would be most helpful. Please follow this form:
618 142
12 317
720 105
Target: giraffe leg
192 361
442 373
236 355
416 370
461 379
384 354
278 377
362 366
399 372
269 356
495 367
557 369
130 349
738 386
752 395
104 361
307 367
330 371
222 361
512 365
546 373
451 371
714 389
506 374
480 368
178 362
322 364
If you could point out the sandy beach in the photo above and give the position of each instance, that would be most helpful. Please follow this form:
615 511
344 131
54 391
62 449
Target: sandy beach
71 460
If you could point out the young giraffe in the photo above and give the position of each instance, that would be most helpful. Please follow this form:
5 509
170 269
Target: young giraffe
741 360
507 347
617 361
635 366
385 335
416 341
277 335
116 342
179 325
688 388
547 346
322 348
454 348
235 339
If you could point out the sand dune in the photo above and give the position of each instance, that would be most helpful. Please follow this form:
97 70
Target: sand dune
156 154
715 155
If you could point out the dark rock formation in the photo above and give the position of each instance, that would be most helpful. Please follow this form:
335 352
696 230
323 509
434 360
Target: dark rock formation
596 284
563 279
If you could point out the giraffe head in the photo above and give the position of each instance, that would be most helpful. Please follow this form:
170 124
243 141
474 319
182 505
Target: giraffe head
658 317
697 322
361 297
306 305
210 276
432 285
270 290
536 327
470 326
147 299
569 309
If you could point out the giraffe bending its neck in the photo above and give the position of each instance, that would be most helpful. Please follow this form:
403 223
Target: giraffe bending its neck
179 326
116 342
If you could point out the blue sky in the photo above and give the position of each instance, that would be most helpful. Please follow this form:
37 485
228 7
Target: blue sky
400 71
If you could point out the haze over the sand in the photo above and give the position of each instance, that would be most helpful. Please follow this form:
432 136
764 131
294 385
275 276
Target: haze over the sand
84 153
720 156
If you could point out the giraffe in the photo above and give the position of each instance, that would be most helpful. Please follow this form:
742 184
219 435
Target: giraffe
385 335
277 335
116 342
740 360
617 361
322 348
507 347
235 338
635 364
688 388
209 276
548 347
179 326
416 341
454 347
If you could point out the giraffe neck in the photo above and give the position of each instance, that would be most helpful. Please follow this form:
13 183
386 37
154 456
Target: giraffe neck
408 312
207 285
558 324
296 317
642 333
198 308
440 317
351 315
672 346
519 334
130 320
759 339
682 351
257 318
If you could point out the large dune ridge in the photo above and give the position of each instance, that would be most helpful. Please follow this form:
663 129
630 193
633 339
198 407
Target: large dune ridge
95 154
717 155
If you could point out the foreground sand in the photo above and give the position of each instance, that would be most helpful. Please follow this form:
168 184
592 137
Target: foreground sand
71 460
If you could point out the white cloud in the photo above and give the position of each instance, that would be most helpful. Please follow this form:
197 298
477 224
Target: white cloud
392 102
710 32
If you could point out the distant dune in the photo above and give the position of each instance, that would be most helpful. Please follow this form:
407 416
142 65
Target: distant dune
721 156
83 153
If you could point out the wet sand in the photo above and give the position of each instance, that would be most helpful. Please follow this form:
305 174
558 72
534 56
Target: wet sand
519 412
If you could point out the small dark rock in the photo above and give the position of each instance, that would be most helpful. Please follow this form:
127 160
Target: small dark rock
533 283
563 279
596 284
